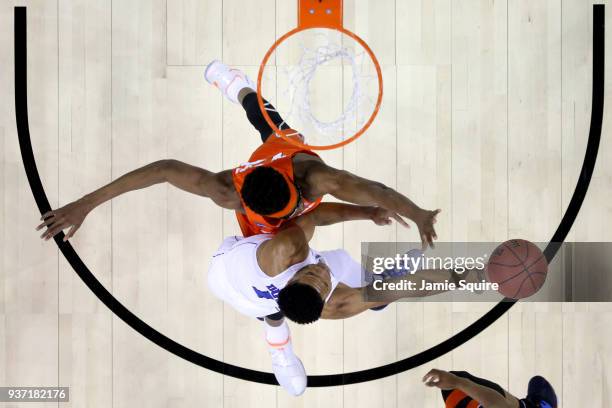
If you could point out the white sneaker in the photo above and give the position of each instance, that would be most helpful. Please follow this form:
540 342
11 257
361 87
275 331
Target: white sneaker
288 368
229 80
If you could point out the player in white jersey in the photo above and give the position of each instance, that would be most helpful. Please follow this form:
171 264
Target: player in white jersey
236 277
273 276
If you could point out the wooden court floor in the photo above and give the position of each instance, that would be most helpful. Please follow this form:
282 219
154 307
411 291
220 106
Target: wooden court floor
486 115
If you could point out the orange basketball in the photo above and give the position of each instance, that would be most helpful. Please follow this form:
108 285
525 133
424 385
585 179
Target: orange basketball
519 267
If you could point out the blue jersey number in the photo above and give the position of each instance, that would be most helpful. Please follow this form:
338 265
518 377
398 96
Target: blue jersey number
271 292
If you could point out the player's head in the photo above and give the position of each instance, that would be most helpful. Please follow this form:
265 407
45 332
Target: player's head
302 299
269 192
540 392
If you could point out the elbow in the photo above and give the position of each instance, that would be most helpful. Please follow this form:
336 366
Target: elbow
166 164
163 168
380 186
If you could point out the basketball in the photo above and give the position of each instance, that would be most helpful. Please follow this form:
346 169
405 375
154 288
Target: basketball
519 267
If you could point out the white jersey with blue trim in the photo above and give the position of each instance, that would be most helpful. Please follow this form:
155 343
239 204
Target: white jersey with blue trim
235 277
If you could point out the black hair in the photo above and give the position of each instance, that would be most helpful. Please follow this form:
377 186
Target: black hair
301 303
265 191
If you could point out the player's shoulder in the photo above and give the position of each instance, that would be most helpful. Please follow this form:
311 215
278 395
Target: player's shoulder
242 246
322 178
312 169
255 240
307 156
305 164
281 251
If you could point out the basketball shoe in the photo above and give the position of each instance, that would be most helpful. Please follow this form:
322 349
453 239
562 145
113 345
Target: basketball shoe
288 368
540 391
230 81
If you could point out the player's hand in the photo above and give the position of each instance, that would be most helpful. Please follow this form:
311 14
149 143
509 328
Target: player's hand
425 221
441 379
69 216
382 216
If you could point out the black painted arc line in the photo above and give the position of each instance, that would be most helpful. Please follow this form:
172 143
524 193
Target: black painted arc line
27 155
592 149
316 380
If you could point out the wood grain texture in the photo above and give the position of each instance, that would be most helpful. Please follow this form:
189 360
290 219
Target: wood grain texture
486 113
85 349
29 266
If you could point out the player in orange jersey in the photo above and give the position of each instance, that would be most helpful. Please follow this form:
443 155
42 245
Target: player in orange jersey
279 182
463 390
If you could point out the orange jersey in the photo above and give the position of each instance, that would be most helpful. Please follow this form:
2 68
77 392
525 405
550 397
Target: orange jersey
458 398
277 153
455 398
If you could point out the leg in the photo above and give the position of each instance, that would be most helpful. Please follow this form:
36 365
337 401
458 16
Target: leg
277 320
248 99
287 367
238 88
243 93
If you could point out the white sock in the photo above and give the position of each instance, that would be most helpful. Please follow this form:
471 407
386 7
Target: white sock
234 88
278 334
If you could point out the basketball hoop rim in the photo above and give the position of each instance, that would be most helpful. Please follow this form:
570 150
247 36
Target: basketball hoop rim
278 131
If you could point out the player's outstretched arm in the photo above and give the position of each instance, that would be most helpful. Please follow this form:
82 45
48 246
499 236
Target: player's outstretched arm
216 186
486 396
333 213
346 186
290 245
346 301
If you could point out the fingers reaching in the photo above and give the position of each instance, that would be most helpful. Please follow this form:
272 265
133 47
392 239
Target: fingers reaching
53 231
385 217
71 232
46 223
383 221
426 227
427 239
69 216
432 378
431 381
47 214
400 220
54 226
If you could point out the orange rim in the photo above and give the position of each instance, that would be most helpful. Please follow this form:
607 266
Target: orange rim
319 147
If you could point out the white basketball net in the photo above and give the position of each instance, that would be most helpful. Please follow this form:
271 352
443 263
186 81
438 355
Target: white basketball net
327 85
